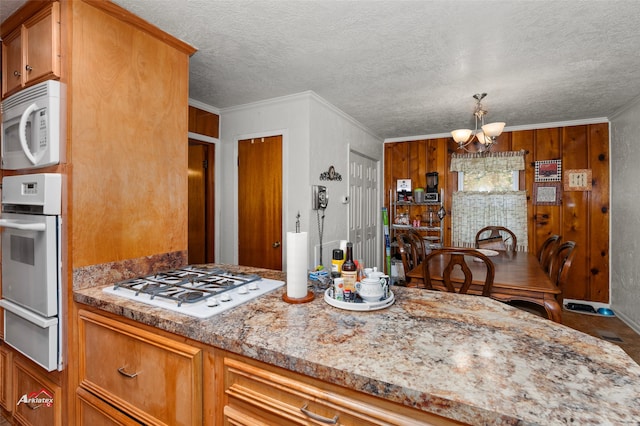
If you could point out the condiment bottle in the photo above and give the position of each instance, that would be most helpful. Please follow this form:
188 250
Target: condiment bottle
349 272
336 263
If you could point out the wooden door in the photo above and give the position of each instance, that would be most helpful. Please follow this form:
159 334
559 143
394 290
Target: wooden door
364 214
260 202
201 202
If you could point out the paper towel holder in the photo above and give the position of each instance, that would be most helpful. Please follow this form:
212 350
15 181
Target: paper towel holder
295 300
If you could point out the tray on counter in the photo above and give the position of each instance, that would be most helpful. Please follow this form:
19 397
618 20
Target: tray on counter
359 305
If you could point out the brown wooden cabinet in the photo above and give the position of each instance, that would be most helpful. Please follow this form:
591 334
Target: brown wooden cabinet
31 51
151 378
5 377
37 399
95 412
259 394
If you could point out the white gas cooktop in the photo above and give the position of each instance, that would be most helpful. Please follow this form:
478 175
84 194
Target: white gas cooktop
196 291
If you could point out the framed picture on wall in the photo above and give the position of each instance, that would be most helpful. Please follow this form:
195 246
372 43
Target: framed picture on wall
547 194
577 180
548 171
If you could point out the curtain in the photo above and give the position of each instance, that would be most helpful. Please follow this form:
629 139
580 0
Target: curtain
472 211
488 161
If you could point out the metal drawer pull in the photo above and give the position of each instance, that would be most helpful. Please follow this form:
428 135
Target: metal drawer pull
316 417
125 374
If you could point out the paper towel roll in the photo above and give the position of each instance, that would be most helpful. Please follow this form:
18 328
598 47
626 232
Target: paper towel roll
296 265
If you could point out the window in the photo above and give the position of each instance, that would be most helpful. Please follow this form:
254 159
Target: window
488 194
483 181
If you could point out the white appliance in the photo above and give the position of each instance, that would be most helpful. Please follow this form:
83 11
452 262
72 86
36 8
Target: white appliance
197 291
33 127
31 266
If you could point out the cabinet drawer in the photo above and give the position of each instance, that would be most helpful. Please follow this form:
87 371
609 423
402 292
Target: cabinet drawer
255 395
92 411
152 378
38 401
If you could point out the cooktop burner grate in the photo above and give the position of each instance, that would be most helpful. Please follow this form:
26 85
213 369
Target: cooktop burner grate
186 285
195 290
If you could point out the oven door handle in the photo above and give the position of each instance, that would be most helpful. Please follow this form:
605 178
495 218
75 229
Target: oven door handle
22 225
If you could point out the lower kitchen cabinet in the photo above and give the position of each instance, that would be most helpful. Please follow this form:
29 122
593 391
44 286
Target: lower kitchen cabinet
256 394
147 376
131 373
95 412
5 378
37 400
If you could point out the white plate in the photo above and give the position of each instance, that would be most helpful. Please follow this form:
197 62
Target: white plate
359 306
488 252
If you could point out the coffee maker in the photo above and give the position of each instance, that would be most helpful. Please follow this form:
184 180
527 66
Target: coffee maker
432 187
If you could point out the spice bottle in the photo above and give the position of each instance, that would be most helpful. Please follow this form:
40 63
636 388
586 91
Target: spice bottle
336 263
349 272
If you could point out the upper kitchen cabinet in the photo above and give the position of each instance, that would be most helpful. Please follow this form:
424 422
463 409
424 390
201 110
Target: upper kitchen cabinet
30 48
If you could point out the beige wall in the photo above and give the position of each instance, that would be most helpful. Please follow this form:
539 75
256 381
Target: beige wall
625 215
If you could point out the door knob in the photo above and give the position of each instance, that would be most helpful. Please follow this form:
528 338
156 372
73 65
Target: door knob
276 244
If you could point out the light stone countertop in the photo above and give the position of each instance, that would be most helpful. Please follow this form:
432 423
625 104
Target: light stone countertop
468 358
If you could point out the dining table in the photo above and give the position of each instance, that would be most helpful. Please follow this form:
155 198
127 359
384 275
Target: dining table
518 277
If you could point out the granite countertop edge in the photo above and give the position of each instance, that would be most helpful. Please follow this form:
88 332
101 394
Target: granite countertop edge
182 325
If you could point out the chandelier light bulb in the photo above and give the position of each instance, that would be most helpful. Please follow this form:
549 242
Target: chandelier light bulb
486 134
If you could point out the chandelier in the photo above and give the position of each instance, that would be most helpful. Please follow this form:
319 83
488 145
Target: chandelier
486 136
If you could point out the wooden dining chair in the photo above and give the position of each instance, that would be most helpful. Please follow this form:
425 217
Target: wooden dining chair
458 257
561 265
496 238
419 246
407 251
546 251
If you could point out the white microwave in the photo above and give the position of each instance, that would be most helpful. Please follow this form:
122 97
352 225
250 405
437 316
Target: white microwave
34 127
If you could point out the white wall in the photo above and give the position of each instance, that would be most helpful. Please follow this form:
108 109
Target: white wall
333 133
288 116
625 214
315 136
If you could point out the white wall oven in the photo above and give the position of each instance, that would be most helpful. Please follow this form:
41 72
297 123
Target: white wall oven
31 266
33 127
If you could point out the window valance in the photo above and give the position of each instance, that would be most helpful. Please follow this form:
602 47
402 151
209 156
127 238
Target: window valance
488 161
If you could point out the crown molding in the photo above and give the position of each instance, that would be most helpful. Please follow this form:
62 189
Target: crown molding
596 120
204 107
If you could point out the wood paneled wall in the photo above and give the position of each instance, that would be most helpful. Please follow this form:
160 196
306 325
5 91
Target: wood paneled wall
582 217
204 122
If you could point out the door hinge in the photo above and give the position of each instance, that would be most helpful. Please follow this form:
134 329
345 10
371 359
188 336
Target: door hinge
205 164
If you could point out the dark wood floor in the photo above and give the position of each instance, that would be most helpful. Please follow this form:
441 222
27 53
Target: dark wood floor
612 329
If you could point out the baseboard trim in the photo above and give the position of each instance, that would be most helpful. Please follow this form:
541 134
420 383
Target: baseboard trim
596 305
628 321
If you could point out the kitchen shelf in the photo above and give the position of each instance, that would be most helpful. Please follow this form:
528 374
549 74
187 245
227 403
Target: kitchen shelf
432 230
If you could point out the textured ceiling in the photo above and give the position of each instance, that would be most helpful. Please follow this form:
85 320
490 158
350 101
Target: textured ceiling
405 68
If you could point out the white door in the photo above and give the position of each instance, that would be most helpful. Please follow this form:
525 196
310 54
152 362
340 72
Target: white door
364 209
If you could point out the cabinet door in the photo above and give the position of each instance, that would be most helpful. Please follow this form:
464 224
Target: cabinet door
149 377
42 44
5 378
12 61
38 401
